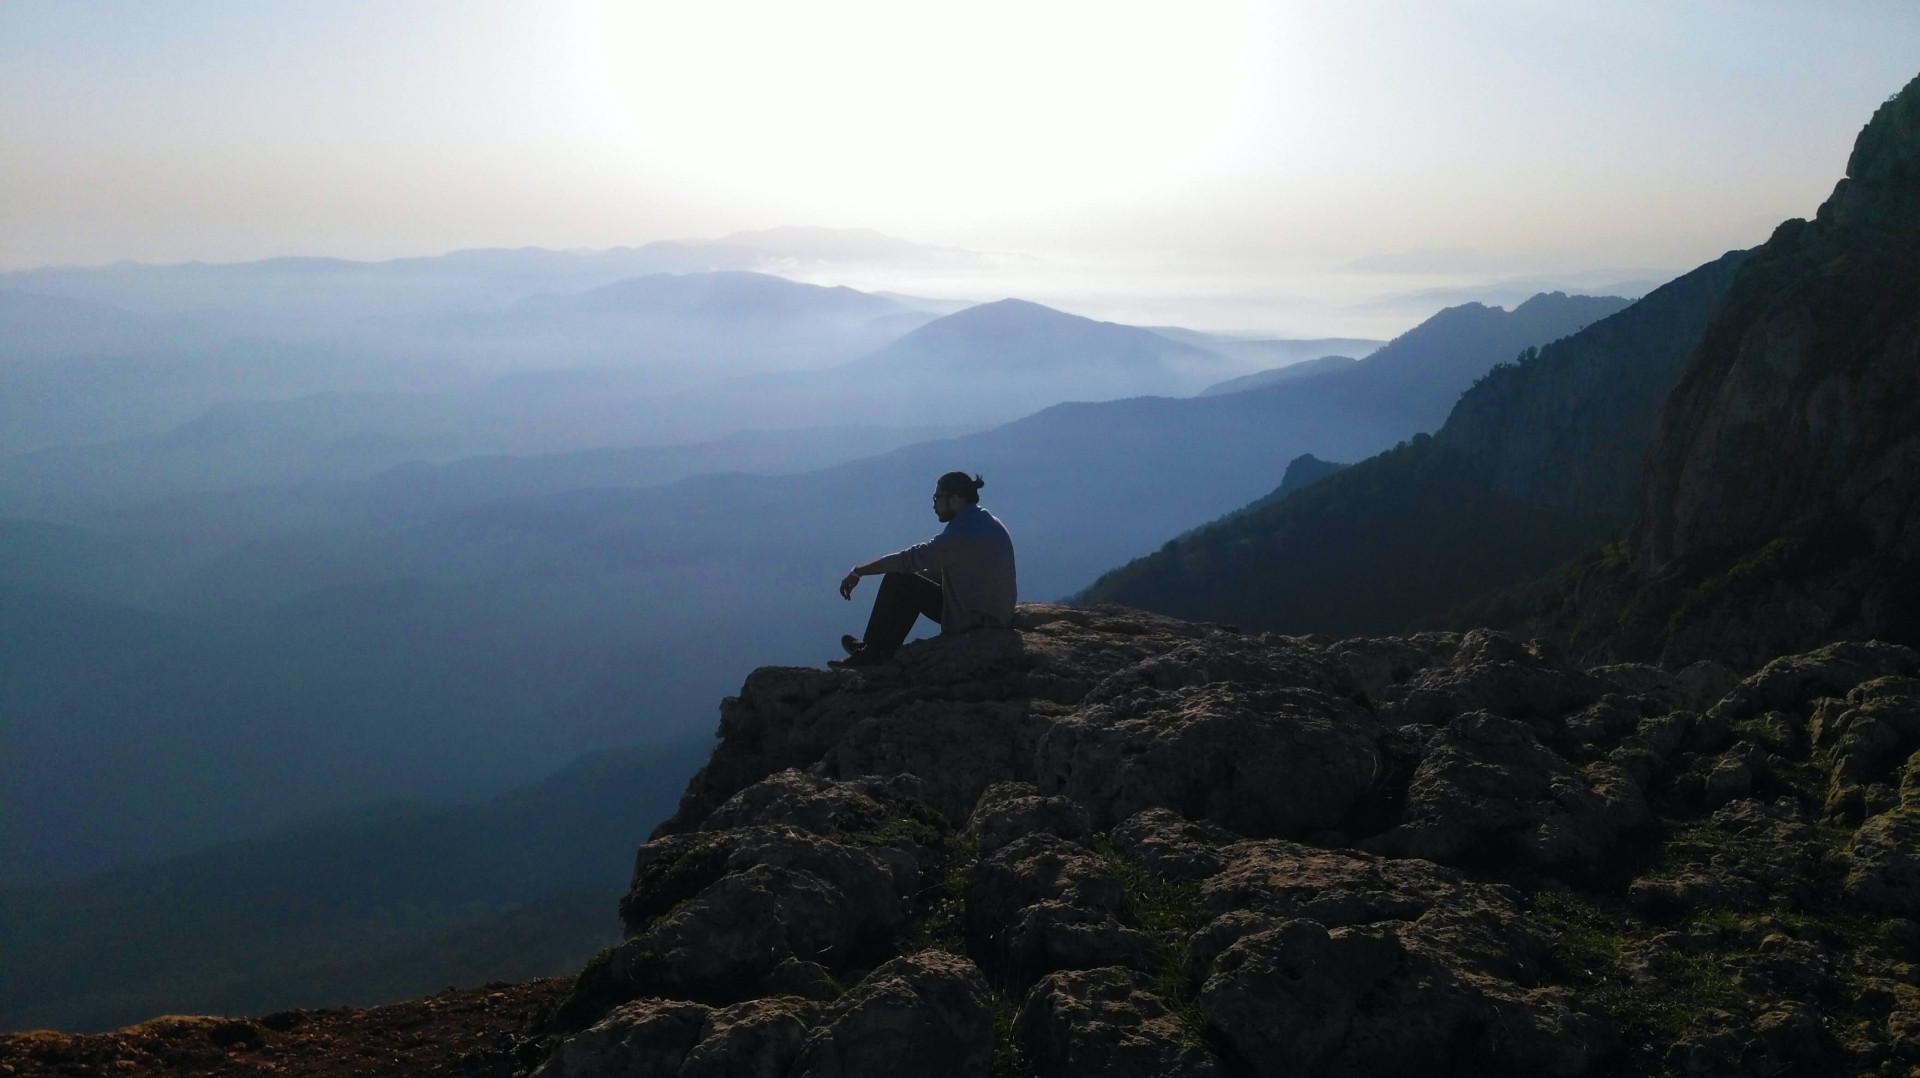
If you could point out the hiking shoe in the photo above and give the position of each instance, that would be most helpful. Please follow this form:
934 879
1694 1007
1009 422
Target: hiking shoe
863 657
852 644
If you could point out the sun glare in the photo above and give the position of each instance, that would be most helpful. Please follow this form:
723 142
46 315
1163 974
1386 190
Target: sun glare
878 109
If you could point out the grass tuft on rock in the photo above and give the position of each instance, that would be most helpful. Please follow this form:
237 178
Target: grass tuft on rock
1168 912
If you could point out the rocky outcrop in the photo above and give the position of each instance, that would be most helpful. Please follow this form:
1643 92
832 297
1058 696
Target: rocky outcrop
1111 843
1004 684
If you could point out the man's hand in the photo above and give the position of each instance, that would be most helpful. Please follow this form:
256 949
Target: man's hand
847 584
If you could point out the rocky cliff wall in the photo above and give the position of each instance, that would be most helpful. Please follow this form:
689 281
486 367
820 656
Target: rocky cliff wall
1781 506
1799 407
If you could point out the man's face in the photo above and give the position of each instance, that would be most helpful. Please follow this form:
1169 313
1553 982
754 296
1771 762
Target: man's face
947 505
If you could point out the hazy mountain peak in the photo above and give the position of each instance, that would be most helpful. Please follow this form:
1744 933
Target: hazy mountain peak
1453 343
1025 317
1019 336
1543 300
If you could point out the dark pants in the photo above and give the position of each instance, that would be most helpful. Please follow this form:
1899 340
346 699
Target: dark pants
903 597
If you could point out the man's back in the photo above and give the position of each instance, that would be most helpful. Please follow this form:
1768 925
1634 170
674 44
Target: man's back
974 559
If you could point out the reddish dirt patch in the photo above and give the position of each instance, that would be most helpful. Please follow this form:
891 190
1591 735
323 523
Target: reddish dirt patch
496 1031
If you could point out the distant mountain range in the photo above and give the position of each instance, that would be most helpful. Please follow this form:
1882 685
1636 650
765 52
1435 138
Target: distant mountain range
291 293
988 364
545 372
664 360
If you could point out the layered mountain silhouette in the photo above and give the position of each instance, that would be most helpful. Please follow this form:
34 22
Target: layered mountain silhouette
291 293
664 360
988 364
555 621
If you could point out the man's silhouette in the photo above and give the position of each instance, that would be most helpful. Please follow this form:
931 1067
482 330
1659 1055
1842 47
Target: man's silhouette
961 578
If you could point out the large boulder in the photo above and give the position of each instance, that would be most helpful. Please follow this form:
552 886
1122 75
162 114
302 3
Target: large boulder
1487 787
1261 761
675 1039
1164 843
1326 962
958 747
1043 903
754 898
1108 1022
1493 671
1794 682
1013 810
1884 872
649 1036
1366 1001
927 1014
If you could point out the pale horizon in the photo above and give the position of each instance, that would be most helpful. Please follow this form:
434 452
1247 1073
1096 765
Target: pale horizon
1278 168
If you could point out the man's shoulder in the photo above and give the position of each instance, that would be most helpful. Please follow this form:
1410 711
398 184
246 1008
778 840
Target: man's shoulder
988 522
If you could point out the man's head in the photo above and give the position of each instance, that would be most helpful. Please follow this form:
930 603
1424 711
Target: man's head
954 492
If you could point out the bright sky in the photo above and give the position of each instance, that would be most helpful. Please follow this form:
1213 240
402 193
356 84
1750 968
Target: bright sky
1232 149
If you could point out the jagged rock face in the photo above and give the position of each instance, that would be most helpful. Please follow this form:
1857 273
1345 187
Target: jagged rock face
1189 851
1780 508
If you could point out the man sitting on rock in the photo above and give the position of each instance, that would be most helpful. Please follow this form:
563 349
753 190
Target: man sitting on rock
961 578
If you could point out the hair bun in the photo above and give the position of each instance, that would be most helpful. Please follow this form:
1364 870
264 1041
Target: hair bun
961 483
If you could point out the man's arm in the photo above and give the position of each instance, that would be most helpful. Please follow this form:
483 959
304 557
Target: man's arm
925 558
884 564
